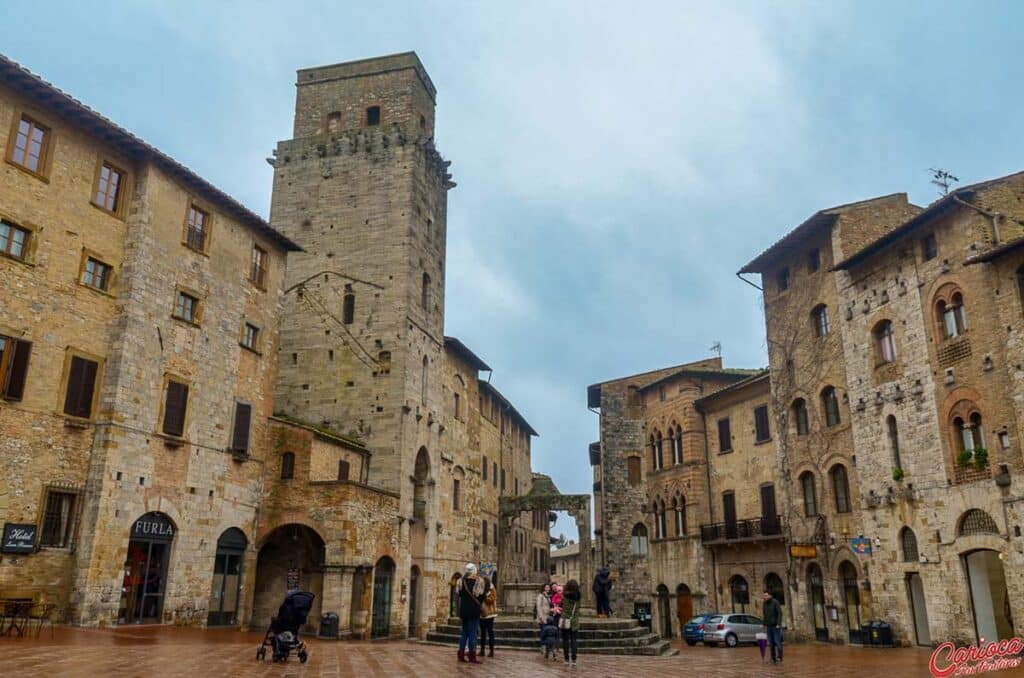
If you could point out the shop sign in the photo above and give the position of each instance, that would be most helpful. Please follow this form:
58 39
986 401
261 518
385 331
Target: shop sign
18 538
861 546
153 527
803 551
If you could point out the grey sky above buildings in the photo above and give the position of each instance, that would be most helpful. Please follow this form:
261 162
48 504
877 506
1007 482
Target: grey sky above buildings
616 163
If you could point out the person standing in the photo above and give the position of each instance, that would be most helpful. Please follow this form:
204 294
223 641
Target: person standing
570 621
488 613
542 609
602 592
472 591
771 613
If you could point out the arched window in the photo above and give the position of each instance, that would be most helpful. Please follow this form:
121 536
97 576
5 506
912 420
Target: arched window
287 466
841 488
458 476
970 433
676 434
819 316
976 521
908 542
885 342
894 440
679 508
425 293
460 386
810 493
423 381
800 416
638 543
952 315
773 585
830 403
656 458
739 593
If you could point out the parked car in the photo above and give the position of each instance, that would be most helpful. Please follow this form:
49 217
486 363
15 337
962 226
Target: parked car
731 629
693 632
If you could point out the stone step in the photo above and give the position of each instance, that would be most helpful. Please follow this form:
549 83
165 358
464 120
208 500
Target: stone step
661 648
531 632
525 642
585 622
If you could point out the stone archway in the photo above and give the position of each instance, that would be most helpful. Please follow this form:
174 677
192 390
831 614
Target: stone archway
290 557
544 496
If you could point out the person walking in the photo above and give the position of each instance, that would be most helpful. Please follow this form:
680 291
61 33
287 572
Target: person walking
771 613
542 609
570 621
488 613
472 592
602 591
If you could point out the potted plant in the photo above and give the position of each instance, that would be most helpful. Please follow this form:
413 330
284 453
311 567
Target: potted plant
964 458
980 457
897 474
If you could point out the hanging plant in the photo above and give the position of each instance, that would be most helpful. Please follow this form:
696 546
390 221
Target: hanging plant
964 458
980 457
897 474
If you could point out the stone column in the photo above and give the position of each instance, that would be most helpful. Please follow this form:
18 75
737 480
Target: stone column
346 573
333 600
582 518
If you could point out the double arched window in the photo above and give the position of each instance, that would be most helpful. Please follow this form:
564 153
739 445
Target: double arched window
660 519
675 433
950 312
830 404
841 488
810 494
970 433
819 318
800 418
885 342
679 510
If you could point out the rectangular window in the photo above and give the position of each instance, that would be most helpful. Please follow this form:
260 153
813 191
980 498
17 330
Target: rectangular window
483 532
80 394
31 143
724 435
14 240
58 519
175 407
96 274
186 307
494 473
761 430
108 188
782 279
502 480
485 468
251 337
813 260
240 430
372 116
197 228
929 247
14 355
343 469
258 270
457 494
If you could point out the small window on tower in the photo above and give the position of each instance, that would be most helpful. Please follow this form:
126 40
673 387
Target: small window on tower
372 116
334 122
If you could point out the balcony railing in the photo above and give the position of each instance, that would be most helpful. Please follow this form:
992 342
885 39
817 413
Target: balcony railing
751 529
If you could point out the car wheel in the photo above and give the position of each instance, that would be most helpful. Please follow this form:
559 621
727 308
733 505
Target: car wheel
691 643
731 640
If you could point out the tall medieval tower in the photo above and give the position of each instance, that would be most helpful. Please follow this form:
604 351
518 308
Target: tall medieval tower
362 188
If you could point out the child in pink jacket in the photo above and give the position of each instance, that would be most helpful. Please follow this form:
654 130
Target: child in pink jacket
556 602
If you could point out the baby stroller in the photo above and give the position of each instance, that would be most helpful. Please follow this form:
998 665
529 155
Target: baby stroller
283 635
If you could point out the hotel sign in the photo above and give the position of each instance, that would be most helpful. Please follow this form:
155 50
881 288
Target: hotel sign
18 538
803 551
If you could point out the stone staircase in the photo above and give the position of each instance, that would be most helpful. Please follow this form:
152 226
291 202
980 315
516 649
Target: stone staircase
597 636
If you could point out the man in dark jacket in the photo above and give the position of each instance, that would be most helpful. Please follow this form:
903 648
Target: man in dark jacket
771 613
602 590
472 592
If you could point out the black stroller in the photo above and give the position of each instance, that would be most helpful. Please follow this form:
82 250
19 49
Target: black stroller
283 635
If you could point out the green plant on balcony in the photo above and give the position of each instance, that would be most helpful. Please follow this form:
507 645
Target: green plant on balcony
964 458
980 457
897 474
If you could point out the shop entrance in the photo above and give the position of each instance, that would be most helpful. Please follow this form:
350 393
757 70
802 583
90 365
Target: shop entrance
989 596
383 575
227 578
816 586
145 570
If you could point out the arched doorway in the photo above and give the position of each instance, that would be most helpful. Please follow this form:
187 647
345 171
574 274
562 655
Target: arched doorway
291 557
414 591
421 474
851 600
227 578
739 593
990 600
915 589
816 589
664 611
383 578
145 569
684 605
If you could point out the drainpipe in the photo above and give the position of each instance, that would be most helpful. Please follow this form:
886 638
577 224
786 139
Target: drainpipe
994 216
707 472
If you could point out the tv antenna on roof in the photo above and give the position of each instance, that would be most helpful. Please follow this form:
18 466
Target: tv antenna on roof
942 179
716 348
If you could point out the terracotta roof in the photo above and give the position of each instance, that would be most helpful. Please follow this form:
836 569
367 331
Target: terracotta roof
46 95
485 386
819 219
995 252
467 355
761 375
933 210
570 550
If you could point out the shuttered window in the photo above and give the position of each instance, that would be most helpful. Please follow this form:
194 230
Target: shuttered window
724 436
761 429
343 470
175 406
14 355
240 431
81 389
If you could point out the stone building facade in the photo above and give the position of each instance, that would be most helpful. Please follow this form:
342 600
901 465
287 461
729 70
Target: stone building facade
202 409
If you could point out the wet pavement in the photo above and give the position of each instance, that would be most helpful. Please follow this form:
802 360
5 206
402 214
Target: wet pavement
168 651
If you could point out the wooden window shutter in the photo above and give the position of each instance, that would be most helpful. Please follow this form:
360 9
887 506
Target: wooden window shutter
81 387
343 469
174 408
240 435
17 372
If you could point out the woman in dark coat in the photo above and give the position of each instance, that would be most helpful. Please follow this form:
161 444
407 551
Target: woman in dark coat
570 621
602 591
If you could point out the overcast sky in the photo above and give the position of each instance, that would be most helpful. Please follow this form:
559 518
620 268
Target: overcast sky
616 163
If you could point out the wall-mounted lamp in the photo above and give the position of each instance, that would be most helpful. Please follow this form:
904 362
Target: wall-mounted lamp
878 542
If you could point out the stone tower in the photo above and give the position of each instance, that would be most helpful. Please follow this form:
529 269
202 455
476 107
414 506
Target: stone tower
362 188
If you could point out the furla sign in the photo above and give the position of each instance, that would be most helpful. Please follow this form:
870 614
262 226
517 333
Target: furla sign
153 527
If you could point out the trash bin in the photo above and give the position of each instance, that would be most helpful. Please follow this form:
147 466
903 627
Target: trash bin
328 626
881 634
868 631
